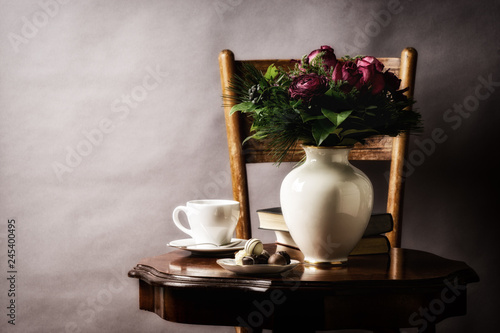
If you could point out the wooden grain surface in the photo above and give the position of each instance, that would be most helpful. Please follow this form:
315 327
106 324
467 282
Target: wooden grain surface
415 267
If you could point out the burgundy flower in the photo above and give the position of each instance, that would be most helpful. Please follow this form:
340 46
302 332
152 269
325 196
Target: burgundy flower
360 74
326 53
308 86
371 69
392 82
347 71
369 60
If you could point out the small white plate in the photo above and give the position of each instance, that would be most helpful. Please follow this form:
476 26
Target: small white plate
231 265
189 244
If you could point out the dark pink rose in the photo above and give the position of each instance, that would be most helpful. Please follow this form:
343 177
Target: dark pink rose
308 86
392 82
369 60
347 71
371 69
377 83
326 53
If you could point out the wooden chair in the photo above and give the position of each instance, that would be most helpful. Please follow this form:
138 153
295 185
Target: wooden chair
380 148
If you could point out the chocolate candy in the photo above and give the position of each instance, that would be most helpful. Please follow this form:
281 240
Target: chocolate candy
265 254
262 258
254 247
248 260
254 254
277 259
286 255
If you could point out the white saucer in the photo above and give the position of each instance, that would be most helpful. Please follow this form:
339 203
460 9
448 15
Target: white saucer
231 265
188 244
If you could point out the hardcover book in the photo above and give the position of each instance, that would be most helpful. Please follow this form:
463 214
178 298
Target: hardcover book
373 241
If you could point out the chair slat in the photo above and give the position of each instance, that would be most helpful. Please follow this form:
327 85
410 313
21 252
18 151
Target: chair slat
391 64
376 148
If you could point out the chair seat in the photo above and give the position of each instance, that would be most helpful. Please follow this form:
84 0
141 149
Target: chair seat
401 289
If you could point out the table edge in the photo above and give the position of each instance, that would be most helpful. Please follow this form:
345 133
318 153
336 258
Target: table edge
261 283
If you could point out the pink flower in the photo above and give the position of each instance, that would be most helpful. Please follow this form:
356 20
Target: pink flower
347 71
371 69
369 60
308 86
325 53
361 74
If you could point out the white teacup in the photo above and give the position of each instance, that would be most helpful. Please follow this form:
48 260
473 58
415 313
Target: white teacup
210 221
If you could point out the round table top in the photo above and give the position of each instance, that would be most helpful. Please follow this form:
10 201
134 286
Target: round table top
399 267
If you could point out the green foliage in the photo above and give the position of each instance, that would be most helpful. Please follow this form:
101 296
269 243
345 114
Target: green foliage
336 118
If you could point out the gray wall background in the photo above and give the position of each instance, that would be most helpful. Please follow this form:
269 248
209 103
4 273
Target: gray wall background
110 116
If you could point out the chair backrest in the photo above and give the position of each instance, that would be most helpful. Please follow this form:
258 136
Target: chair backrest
377 148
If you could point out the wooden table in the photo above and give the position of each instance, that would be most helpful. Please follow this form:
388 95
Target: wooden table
406 288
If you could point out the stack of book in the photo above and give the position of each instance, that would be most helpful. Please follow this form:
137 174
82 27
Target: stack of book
373 242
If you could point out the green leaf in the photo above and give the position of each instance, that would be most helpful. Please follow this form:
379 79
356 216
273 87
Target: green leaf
321 130
348 142
307 117
243 107
271 73
334 93
334 117
357 131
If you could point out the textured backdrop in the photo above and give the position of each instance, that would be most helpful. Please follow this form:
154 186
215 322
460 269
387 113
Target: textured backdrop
110 116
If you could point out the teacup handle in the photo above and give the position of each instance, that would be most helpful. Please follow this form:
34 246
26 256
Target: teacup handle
175 217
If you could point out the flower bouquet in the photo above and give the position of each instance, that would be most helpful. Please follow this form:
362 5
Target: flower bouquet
323 101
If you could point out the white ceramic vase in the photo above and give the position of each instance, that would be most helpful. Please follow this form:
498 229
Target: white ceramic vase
326 204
